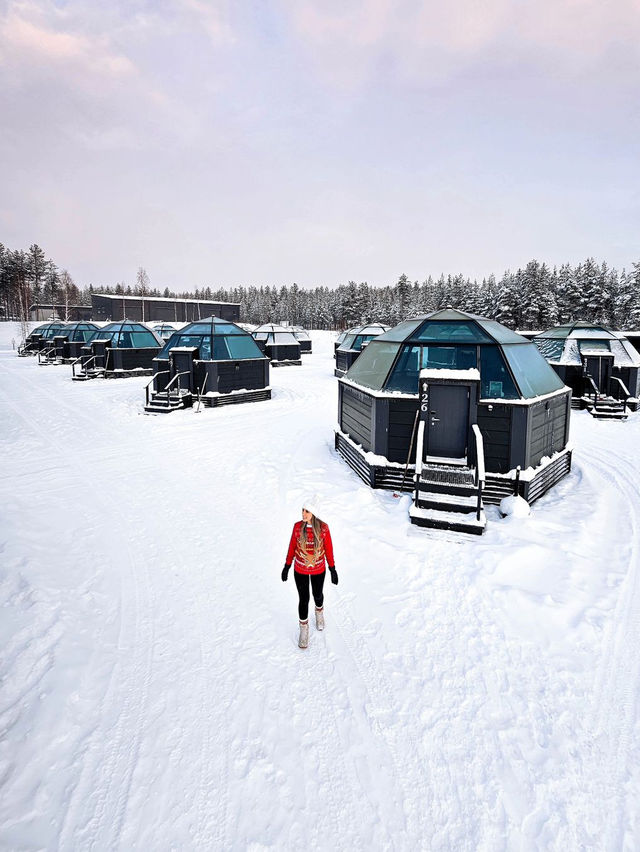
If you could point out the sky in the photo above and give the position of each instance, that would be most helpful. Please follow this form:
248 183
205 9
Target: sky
318 141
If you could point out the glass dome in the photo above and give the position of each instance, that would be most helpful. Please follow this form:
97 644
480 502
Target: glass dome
127 335
216 340
567 344
356 338
510 366
343 334
78 331
50 329
299 332
164 330
274 335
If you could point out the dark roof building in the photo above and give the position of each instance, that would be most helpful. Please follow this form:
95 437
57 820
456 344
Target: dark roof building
73 313
148 308
454 395
213 359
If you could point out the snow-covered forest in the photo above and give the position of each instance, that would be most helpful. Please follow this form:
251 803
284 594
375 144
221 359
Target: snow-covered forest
534 297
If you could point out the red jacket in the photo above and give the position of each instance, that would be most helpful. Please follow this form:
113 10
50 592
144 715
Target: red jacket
307 566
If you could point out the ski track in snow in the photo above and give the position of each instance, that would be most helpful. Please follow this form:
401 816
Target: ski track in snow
464 696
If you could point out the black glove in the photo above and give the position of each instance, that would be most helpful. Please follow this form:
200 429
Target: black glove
334 575
285 573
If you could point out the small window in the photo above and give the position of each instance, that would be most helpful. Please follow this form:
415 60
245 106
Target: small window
406 371
452 332
496 382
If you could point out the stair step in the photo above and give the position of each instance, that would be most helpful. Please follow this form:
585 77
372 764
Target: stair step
459 490
447 502
438 519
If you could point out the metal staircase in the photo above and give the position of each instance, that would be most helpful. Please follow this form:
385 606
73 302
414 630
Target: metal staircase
603 406
448 496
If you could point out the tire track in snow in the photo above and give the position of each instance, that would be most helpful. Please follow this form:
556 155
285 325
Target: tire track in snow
110 756
614 710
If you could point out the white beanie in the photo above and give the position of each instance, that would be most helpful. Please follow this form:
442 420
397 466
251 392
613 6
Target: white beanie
312 504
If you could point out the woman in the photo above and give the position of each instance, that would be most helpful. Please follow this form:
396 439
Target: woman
310 547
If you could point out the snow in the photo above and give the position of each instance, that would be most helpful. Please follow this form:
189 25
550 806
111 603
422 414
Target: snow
468 693
516 506
471 374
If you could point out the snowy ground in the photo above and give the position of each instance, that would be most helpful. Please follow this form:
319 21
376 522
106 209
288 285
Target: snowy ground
467 694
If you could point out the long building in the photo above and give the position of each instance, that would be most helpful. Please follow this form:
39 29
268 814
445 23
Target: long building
147 308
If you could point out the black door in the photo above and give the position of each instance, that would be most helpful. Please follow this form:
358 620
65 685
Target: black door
599 369
448 421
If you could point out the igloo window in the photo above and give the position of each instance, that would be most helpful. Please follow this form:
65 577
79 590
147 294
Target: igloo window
496 381
372 367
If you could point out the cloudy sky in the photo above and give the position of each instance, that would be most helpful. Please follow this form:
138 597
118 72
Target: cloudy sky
318 141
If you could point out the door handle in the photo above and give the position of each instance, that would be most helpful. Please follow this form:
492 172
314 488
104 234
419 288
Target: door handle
435 419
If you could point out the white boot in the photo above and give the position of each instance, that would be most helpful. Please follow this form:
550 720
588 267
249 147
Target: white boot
319 618
303 642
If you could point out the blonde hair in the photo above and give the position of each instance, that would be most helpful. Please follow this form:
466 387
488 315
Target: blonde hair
318 544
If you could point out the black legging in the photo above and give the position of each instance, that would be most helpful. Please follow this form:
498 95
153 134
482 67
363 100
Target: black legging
302 584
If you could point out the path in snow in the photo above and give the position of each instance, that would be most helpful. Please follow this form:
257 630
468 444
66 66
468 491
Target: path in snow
466 694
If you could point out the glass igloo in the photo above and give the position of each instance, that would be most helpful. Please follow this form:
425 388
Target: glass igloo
451 371
303 337
118 350
65 346
41 337
278 343
212 359
592 359
164 330
354 341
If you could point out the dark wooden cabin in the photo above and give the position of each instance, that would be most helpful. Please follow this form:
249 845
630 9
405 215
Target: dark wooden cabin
213 360
119 350
353 343
472 407
601 367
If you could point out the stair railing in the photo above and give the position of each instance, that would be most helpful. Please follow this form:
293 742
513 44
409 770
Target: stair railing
480 475
152 381
168 387
46 353
624 389
85 365
594 387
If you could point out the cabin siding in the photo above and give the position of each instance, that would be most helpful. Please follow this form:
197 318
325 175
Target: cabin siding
355 415
548 420
494 422
401 417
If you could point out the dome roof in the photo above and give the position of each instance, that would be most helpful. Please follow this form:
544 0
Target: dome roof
164 329
510 366
216 340
127 335
274 335
354 339
566 344
49 329
78 331
299 332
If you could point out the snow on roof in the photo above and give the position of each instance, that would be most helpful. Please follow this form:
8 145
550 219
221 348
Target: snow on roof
133 298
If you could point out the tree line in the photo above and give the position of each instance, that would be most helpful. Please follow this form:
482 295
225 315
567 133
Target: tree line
534 297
